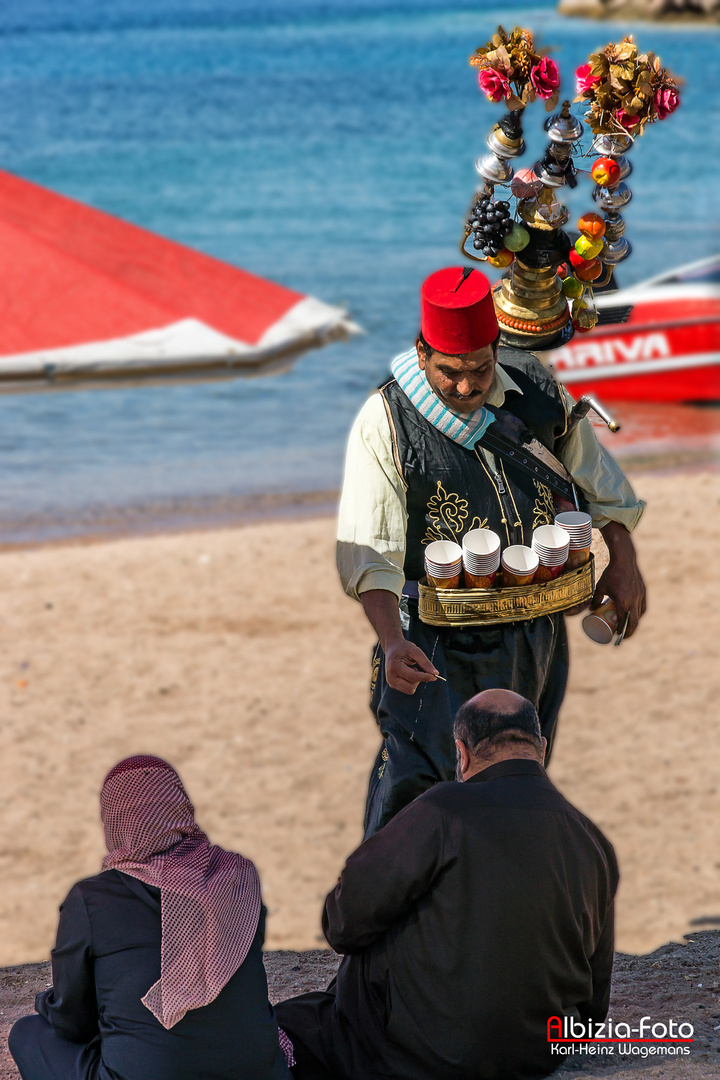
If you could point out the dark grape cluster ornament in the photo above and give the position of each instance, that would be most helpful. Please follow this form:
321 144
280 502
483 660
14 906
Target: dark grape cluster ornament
489 222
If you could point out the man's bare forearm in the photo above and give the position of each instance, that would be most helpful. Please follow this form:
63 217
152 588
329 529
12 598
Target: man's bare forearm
381 608
618 540
406 665
621 578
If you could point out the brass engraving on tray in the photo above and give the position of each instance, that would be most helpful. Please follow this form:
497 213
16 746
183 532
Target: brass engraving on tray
483 607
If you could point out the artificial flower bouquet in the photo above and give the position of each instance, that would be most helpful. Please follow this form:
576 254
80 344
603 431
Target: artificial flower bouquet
511 71
625 90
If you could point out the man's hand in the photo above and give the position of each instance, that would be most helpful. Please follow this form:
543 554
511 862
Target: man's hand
406 665
621 580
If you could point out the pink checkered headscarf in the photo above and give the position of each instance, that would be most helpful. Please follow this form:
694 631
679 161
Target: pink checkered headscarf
210 898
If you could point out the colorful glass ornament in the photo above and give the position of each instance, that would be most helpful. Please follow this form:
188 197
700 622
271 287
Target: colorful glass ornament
572 287
591 225
605 172
503 258
517 239
589 271
575 260
587 248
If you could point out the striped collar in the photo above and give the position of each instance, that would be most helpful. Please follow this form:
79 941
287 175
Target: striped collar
464 430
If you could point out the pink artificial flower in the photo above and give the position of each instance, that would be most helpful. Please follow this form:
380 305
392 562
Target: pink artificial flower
667 100
545 78
626 120
584 79
494 84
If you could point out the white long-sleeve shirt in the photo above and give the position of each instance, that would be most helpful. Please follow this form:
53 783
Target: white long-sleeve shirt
372 520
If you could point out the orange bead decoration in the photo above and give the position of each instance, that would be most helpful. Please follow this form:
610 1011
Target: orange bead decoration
592 226
591 271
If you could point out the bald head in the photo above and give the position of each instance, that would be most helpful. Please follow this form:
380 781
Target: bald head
498 724
500 703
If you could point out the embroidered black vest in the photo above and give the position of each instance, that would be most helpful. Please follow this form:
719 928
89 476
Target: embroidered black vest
451 489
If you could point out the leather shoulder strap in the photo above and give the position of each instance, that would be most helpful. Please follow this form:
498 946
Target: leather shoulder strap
510 440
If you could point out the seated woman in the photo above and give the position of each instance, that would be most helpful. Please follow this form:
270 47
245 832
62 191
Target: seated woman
157 971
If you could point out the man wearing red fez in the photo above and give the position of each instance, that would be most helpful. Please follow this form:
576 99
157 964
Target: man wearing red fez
416 472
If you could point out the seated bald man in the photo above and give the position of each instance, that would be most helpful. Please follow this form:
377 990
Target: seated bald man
479 911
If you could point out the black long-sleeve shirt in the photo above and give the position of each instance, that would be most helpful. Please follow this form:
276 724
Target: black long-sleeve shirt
478 912
108 956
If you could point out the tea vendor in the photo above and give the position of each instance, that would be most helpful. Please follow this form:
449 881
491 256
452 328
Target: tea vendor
414 473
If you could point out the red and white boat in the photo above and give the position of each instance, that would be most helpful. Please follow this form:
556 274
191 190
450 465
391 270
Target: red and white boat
89 300
656 341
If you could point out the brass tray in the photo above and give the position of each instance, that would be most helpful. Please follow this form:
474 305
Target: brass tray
486 607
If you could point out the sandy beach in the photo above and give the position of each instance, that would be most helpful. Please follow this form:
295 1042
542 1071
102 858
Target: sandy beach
234 654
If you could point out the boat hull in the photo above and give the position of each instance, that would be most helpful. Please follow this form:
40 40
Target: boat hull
666 363
667 350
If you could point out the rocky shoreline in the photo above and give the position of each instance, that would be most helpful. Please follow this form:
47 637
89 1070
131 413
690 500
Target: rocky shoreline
643 10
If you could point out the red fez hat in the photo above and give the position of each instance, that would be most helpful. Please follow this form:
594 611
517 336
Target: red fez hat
458 315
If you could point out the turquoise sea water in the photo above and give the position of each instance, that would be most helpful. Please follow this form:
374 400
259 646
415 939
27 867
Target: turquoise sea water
328 145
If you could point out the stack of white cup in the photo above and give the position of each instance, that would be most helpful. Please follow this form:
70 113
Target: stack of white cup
551 545
578 526
443 563
519 564
481 557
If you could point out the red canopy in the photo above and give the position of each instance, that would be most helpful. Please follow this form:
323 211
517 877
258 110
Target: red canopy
84 295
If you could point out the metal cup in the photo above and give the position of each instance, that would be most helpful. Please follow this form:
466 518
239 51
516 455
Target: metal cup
601 623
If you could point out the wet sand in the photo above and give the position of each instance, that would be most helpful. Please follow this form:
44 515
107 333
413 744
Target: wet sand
668 435
234 654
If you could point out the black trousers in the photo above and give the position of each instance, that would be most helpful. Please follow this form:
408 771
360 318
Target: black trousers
324 1046
41 1054
418 748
